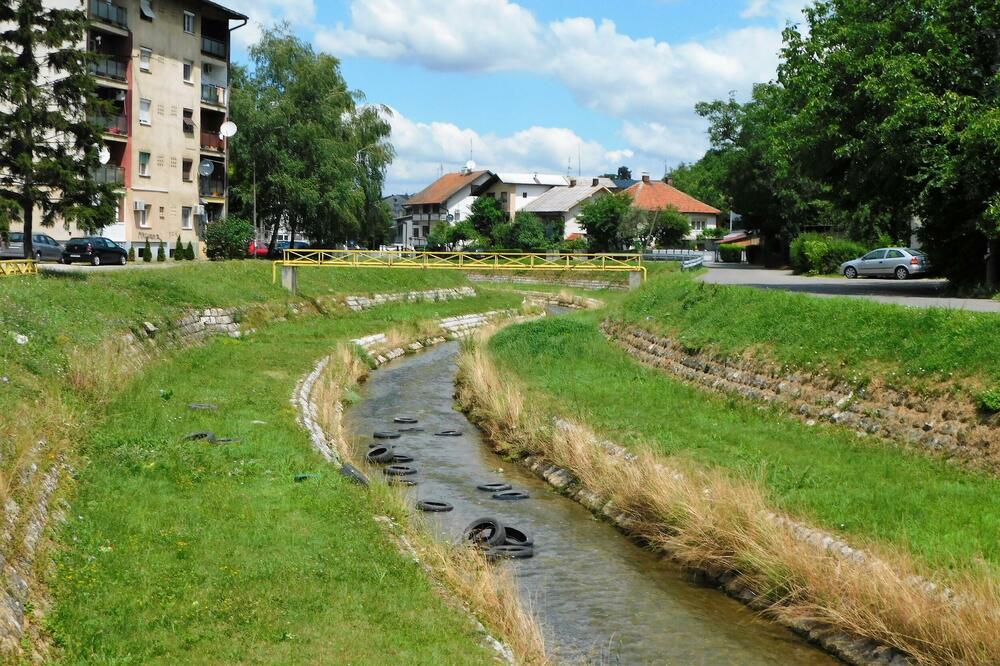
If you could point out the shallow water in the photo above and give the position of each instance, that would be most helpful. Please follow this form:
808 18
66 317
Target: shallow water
600 597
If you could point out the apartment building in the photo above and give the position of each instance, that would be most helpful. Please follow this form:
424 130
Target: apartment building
164 67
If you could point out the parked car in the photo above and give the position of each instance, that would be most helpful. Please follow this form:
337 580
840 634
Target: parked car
44 246
281 246
898 262
95 249
257 249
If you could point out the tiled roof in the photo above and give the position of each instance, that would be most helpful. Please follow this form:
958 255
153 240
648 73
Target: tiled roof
562 199
445 186
657 195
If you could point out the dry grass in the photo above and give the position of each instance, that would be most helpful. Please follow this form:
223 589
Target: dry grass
709 521
487 590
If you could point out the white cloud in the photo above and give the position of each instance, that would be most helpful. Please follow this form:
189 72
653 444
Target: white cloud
782 10
266 13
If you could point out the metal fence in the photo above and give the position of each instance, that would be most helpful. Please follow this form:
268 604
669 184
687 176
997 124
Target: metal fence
17 267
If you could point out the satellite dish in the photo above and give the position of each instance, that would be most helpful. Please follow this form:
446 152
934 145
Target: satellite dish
104 155
206 167
228 129
470 165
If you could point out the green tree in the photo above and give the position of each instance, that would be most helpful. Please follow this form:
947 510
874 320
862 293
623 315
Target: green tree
49 144
526 232
161 252
179 249
131 253
147 252
602 218
228 238
671 228
189 253
704 180
484 214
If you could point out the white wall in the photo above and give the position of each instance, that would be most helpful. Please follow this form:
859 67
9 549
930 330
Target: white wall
699 223
532 192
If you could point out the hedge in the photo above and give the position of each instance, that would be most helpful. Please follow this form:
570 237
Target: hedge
819 253
731 253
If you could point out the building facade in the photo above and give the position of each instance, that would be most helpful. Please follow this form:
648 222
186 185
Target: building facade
514 191
448 199
657 195
561 206
163 66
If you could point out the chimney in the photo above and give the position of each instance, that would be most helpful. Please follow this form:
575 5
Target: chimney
572 182
645 176
670 181
596 182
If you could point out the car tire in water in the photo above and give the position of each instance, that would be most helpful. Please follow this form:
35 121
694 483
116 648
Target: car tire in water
399 470
433 506
850 272
494 487
486 532
510 552
515 537
385 434
380 454
510 495
901 273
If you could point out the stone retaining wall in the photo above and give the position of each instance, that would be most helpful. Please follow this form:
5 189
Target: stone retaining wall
359 303
946 426
572 282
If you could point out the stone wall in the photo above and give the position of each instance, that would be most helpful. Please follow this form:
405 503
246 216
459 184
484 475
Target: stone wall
945 426
572 282
359 303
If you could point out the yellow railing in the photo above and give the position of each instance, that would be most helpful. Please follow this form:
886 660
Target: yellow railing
17 267
468 261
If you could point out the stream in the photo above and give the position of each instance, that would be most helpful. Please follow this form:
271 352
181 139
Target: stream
600 597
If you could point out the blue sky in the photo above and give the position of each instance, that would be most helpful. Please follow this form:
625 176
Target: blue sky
533 85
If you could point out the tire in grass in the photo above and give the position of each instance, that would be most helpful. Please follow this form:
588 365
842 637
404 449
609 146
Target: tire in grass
385 434
380 454
401 481
399 470
433 506
354 474
400 458
510 495
509 552
516 537
196 436
494 487
486 532
404 419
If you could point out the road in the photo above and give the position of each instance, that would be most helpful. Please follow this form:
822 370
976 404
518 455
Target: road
914 293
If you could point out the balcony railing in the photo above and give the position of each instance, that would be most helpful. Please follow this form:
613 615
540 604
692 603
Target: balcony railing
109 67
109 13
112 124
213 94
211 187
214 47
114 175
211 141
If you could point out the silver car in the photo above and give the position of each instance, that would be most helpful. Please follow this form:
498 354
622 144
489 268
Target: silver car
45 247
897 262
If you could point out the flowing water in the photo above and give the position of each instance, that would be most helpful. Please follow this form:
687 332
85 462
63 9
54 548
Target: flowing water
600 597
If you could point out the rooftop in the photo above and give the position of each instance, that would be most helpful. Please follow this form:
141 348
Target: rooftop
563 199
444 187
512 178
657 195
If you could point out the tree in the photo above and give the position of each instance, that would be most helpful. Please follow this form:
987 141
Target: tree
49 144
484 214
451 237
667 227
189 252
704 180
602 218
147 252
526 233
228 238
161 252
178 249
671 228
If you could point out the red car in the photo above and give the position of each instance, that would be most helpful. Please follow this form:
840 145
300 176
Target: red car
257 249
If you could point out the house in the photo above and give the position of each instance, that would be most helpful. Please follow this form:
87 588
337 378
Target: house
657 195
514 191
395 203
561 205
164 70
448 199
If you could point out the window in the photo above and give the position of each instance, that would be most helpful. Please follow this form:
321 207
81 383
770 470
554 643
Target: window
188 71
524 195
145 117
875 254
188 121
207 68
458 216
189 23
146 10
186 167
699 225
894 254
145 57
142 218
144 164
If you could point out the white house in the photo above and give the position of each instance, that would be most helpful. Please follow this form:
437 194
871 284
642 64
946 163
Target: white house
447 199
562 205
657 195
514 191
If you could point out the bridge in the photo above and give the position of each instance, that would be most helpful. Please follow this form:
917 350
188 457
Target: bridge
462 261
17 267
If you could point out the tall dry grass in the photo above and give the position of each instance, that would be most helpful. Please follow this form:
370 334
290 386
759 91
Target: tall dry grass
710 521
488 590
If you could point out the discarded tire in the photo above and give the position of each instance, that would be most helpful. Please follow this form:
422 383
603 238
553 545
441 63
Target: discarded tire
486 532
225 440
399 470
380 454
510 552
515 537
404 419
449 433
433 506
299 478
410 429
401 458
354 474
510 495
385 434
494 487
204 434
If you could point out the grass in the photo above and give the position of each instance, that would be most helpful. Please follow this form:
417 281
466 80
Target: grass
184 552
947 517
852 339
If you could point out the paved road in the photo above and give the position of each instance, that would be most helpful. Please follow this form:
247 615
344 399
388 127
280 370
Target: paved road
914 293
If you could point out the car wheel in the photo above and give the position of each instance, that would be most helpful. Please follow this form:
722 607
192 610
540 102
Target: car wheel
38 257
123 260
901 273
850 272
95 260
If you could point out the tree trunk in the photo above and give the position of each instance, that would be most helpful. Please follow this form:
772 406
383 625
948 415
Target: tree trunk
274 237
993 263
28 215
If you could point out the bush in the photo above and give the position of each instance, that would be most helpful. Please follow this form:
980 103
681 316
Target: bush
161 252
179 252
131 253
989 400
526 233
713 232
189 252
228 238
575 245
818 253
731 253
147 252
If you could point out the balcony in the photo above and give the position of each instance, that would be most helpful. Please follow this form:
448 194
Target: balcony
213 47
109 174
211 141
109 68
213 94
105 11
117 125
212 187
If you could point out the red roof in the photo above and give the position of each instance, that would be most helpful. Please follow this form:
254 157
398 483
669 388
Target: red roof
575 236
442 188
657 195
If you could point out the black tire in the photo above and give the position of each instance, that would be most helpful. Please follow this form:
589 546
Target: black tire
433 506
95 260
850 272
516 537
123 260
486 532
901 273
398 458
354 474
38 257
510 552
299 478
385 434
204 434
494 487
399 470
380 454
404 419
449 433
510 495
411 430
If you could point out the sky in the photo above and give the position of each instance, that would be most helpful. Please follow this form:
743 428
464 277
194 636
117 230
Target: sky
555 86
